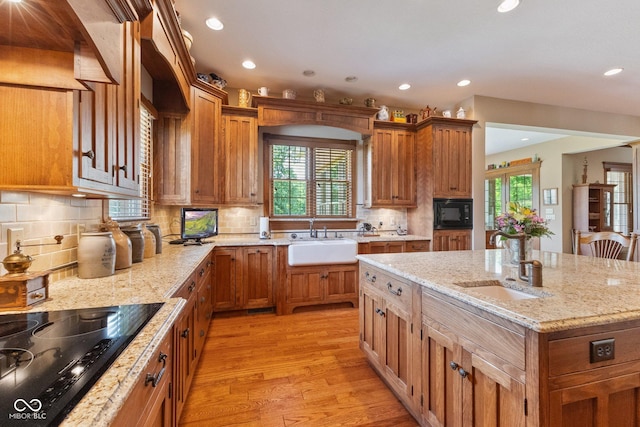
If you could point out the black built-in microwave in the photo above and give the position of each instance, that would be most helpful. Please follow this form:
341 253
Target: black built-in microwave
451 214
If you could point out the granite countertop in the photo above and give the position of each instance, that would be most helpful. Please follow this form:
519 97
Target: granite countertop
577 291
249 240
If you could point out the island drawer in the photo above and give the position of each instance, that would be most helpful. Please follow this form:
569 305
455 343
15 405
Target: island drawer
395 291
569 355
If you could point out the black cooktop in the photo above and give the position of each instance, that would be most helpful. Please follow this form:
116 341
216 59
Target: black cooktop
49 360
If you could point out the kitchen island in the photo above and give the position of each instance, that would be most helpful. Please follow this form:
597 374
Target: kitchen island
457 355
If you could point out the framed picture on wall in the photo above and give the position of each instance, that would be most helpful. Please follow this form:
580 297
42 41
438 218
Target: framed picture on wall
550 196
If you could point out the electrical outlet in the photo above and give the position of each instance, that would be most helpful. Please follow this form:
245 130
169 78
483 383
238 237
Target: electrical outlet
380 224
602 350
13 234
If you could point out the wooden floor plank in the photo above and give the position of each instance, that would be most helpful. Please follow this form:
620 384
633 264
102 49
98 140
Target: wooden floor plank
297 370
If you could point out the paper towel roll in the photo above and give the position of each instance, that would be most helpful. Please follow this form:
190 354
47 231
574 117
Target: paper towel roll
264 227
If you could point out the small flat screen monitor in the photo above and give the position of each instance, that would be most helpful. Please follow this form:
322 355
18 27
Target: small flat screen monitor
198 223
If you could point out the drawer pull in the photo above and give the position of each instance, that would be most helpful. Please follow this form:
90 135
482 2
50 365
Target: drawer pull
185 333
369 277
201 272
155 379
390 288
192 286
380 312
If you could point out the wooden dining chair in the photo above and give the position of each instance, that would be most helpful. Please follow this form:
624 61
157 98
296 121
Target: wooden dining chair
605 244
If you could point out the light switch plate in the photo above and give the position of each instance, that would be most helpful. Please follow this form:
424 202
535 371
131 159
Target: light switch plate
13 234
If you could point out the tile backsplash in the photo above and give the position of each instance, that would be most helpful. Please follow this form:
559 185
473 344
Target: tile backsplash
42 216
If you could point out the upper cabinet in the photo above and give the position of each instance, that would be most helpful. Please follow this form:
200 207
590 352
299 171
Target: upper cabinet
240 144
188 151
451 148
390 166
70 95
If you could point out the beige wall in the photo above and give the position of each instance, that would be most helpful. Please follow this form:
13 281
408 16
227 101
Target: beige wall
549 117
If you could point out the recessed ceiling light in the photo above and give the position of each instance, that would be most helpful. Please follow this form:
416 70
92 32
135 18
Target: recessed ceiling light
613 71
214 23
16 1
464 82
508 5
524 139
308 73
404 86
78 195
351 79
248 64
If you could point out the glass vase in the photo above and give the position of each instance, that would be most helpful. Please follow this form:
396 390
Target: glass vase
512 250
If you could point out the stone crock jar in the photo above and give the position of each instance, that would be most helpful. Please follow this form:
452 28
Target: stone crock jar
137 242
96 255
123 244
149 242
155 229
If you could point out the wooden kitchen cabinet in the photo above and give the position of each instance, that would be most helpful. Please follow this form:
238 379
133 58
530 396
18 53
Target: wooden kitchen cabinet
315 284
393 246
187 151
451 240
240 145
243 278
151 400
82 139
190 329
590 392
389 319
390 166
593 207
472 368
451 160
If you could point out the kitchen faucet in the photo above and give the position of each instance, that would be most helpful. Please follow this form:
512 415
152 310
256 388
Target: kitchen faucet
535 279
312 233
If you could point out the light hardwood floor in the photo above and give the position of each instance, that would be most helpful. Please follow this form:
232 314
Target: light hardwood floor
303 369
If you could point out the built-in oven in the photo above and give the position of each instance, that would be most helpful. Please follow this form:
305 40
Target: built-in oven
49 360
452 214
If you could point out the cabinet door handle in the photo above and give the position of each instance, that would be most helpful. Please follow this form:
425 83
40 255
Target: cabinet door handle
453 365
90 154
201 272
123 168
396 293
201 332
380 312
185 333
155 379
463 373
192 286
209 263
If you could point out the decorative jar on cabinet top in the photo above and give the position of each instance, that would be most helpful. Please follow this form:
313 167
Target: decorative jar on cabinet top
96 255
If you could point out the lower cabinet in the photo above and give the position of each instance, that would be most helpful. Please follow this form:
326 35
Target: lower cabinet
150 402
243 278
315 285
451 240
472 368
190 330
393 246
389 316
592 393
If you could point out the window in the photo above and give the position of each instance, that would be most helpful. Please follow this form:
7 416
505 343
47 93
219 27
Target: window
513 184
139 208
620 174
310 177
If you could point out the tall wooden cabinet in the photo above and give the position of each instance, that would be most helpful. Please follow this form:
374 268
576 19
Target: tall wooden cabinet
593 207
444 171
240 142
390 166
451 240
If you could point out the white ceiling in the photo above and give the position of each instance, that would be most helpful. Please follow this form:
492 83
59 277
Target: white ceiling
545 51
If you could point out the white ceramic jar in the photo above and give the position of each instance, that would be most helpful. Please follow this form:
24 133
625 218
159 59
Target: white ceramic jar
96 255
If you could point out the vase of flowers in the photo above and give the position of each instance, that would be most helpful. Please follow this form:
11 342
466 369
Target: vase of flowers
521 220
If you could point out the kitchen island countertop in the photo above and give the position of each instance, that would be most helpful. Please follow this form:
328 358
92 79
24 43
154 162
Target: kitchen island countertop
577 290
